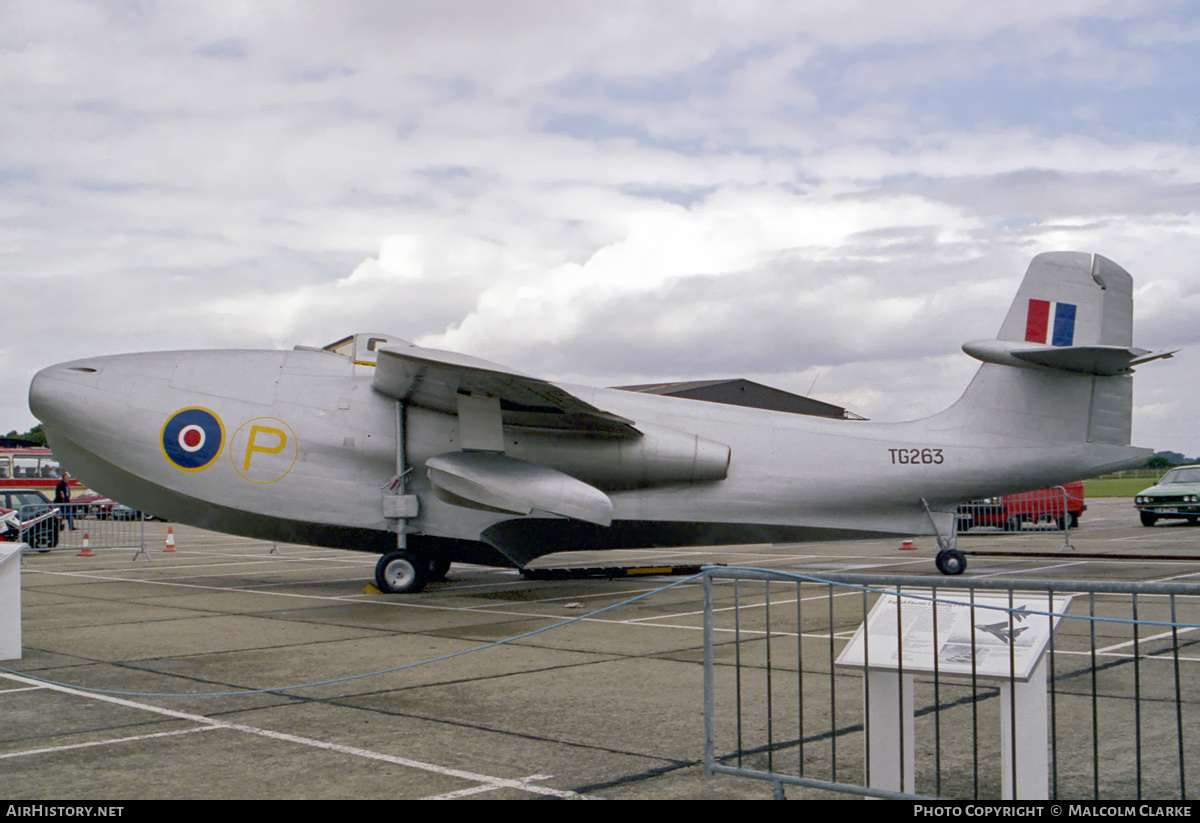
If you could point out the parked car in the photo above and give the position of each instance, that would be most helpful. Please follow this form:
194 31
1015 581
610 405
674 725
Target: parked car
104 508
1176 496
1012 511
92 505
119 511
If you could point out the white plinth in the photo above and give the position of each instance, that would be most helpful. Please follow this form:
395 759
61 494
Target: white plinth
10 600
889 700
1032 756
998 638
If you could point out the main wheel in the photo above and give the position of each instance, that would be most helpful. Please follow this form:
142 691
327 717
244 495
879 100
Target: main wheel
401 573
1148 519
951 562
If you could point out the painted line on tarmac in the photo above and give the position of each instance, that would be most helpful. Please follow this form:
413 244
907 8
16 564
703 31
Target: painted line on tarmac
340 557
1176 577
1032 570
113 742
642 622
20 689
476 790
645 621
371 599
173 583
181 569
489 781
1164 656
1142 640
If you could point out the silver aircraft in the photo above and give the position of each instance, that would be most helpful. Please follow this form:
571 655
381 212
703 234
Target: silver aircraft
428 456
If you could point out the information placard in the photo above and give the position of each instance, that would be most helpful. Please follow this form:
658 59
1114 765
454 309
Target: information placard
990 634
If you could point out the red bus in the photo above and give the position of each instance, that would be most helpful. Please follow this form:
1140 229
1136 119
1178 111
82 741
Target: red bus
32 467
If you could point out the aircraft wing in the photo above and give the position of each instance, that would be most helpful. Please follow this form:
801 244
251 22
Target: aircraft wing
433 379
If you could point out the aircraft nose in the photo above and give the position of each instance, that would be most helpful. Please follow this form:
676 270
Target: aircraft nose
55 391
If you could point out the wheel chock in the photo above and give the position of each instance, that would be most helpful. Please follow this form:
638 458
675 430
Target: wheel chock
608 572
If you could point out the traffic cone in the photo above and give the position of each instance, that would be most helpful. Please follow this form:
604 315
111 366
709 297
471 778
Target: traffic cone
170 547
86 551
907 546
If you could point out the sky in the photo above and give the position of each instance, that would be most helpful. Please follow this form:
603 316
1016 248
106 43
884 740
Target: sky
826 197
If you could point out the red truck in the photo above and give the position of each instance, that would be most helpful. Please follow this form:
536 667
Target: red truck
1054 506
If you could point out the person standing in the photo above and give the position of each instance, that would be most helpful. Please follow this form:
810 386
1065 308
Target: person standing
62 496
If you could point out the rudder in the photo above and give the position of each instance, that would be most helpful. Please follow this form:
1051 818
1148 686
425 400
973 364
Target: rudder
1072 299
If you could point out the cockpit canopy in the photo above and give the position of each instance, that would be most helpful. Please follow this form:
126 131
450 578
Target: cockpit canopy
363 348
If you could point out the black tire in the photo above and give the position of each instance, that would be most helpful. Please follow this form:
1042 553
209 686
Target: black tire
44 535
401 573
1074 520
1148 519
437 569
951 562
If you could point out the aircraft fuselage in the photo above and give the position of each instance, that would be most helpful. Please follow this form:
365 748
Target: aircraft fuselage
298 446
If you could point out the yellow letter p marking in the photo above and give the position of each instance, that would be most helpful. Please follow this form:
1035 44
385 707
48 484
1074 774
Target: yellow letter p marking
272 447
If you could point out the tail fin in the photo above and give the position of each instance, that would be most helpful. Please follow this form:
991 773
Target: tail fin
1072 299
1059 370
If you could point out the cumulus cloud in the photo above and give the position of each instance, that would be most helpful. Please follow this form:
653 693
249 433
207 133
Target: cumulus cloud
608 193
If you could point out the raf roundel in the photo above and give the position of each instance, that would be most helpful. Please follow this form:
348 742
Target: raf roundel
192 439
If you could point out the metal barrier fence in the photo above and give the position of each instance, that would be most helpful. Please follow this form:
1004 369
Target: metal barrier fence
1118 696
1137 474
1043 509
63 526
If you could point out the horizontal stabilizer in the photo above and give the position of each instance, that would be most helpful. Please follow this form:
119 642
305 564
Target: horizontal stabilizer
433 379
1103 361
493 481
